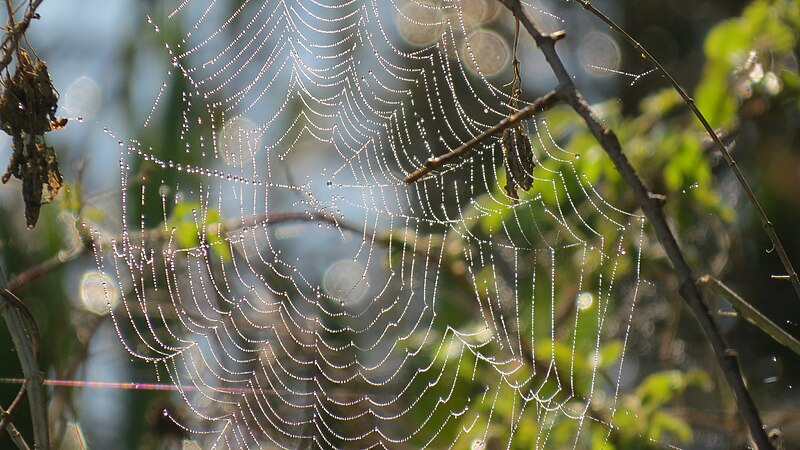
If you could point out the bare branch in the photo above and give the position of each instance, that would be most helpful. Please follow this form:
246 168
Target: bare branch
45 267
542 103
751 314
25 341
652 207
718 144
16 437
10 42
6 414
273 218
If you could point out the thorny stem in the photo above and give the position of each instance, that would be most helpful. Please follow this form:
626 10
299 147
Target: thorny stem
652 207
718 144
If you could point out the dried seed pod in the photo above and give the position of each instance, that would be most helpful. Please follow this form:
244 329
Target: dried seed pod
518 161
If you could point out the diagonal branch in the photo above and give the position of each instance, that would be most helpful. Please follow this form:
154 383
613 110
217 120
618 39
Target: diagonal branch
16 437
717 141
542 103
5 415
750 314
652 207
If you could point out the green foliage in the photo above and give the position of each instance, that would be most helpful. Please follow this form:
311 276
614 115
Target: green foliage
764 27
194 225
662 140
645 417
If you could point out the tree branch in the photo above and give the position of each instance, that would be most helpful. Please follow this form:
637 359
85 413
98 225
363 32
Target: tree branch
15 31
274 218
16 437
717 141
6 424
750 314
26 343
652 207
542 103
7 413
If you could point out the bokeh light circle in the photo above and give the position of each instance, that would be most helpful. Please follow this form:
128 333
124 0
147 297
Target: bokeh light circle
486 52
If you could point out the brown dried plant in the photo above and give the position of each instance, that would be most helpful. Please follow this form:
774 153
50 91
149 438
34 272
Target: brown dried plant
27 111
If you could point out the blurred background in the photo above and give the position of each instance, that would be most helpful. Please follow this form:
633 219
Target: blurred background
737 58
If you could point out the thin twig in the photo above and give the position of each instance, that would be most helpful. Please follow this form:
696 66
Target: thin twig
542 103
16 437
25 314
45 267
10 11
10 41
6 414
718 144
751 314
25 342
652 207
159 233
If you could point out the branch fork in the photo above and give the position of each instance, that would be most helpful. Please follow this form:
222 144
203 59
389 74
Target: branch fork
651 204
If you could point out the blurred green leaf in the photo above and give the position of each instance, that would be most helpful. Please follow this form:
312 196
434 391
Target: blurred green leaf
191 223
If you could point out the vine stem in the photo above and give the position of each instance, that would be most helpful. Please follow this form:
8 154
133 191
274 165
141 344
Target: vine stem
652 208
715 138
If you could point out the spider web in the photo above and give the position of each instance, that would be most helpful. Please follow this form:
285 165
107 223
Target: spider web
278 271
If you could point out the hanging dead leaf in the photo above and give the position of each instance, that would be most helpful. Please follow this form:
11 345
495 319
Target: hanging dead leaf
518 161
27 111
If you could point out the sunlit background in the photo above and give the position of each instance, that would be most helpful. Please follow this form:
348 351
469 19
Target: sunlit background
108 64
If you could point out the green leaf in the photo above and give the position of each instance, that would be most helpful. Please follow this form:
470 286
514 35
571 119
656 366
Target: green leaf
661 103
610 354
659 388
666 424
191 223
